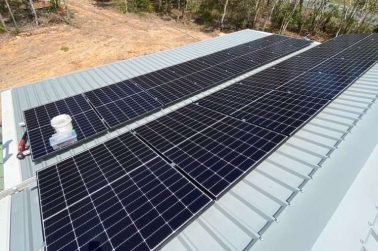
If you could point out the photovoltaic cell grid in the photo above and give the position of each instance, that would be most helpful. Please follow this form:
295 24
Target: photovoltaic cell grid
84 119
128 100
121 102
216 68
212 149
281 112
284 97
116 196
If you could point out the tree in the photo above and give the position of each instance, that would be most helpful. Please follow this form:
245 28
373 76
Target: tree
224 14
3 23
11 14
30 5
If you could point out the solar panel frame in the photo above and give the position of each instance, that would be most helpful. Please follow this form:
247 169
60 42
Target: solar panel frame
164 174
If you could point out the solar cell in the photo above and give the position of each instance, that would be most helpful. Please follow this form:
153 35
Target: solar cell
212 149
116 196
84 119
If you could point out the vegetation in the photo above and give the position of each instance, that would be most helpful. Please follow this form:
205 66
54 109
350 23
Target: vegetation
324 18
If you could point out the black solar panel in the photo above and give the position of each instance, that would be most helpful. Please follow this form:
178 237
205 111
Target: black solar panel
270 78
299 63
116 196
122 102
212 149
343 67
319 85
281 112
232 98
84 119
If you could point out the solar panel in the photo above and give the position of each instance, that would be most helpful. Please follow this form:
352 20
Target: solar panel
270 78
128 100
281 112
211 149
288 46
343 67
232 98
307 85
365 50
299 63
84 119
220 67
116 196
318 85
122 102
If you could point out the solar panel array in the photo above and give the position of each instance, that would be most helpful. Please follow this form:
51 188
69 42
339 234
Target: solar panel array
137 190
117 196
123 102
284 97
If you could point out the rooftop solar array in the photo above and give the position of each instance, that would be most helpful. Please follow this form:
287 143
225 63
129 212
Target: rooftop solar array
284 97
123 102
116 196
137 190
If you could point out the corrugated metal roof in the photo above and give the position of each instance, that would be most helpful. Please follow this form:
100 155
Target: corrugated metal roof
240 217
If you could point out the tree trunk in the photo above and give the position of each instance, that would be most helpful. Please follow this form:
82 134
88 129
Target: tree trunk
32 10
364 13
224 14
270 14
320 15
287 19
3 23
256 13
300 24
66 9
346 10
11 14
126 9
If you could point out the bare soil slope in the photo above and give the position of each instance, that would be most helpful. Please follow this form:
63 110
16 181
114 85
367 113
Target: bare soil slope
98 36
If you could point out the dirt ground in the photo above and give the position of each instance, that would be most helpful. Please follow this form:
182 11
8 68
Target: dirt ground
97 36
